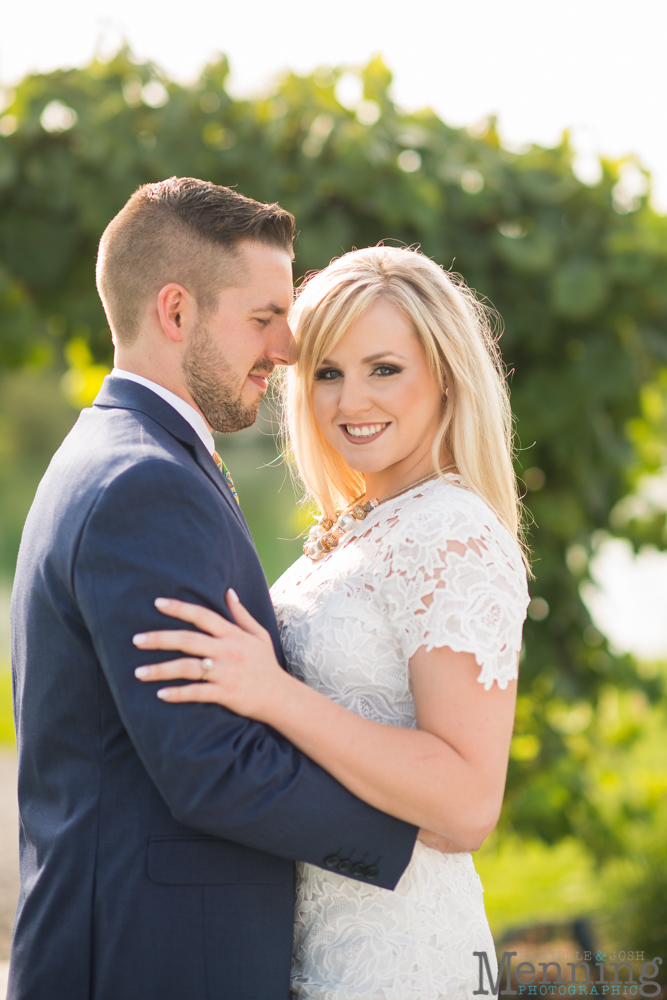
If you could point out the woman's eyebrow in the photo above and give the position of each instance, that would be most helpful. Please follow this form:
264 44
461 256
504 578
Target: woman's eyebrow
382 354
370 358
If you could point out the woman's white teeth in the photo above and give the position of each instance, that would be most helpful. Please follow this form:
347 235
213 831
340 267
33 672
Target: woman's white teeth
365 430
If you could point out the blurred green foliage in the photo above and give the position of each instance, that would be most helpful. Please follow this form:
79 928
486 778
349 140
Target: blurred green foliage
577 272
6 719
34 418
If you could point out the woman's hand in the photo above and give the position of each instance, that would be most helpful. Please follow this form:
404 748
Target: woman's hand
231 664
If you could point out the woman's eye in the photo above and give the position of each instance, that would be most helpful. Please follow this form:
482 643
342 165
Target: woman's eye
328 374
386 370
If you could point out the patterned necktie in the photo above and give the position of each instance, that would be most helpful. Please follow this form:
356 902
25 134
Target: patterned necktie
226 473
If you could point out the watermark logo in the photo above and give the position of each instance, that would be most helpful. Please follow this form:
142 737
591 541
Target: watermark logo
581 981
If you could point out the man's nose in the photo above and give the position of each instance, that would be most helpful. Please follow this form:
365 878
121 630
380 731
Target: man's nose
281 348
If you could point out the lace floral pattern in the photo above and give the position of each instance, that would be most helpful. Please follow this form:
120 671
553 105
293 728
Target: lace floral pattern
431 568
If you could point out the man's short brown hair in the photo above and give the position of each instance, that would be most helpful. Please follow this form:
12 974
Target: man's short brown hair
182 230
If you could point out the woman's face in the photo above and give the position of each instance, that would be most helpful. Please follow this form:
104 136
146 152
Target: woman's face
376 400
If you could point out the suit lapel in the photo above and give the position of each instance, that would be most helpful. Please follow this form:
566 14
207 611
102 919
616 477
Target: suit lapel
128 395
206 462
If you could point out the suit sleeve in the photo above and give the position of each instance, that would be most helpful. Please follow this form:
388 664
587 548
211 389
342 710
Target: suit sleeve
156 531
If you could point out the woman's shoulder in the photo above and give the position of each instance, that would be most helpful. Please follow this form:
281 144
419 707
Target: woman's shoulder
454 576
446 516
449 510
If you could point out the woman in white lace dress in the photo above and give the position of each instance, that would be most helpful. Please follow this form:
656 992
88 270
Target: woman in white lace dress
403 617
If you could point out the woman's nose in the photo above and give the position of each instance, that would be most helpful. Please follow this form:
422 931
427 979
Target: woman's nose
353 397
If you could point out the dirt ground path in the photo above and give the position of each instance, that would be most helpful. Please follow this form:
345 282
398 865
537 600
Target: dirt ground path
9 858
9 849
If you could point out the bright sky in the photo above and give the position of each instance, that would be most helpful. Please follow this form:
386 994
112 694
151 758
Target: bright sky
631 606
597 66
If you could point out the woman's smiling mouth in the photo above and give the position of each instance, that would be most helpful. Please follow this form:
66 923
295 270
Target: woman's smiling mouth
363 433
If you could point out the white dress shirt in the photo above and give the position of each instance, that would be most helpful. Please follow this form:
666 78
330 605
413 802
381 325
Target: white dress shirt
193 417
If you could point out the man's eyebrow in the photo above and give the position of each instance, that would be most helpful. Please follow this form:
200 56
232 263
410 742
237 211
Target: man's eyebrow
272 307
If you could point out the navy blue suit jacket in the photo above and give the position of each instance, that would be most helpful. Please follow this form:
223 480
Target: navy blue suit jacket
157 841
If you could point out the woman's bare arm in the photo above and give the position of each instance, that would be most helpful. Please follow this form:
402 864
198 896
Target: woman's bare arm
447 776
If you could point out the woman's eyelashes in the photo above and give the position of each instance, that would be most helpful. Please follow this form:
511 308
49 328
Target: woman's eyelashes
328 374
382 371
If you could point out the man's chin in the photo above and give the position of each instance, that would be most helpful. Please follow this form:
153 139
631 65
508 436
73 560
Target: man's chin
247 421
229 423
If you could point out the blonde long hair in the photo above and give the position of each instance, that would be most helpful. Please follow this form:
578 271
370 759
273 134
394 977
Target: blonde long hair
456 333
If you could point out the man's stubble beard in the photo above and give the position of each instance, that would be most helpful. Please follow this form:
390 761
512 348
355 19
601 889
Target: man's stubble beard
213 386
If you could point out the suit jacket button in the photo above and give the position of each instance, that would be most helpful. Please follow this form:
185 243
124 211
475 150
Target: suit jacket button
372 871
344 865
358 869
332 861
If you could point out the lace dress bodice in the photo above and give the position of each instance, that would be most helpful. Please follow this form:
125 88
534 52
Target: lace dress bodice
433 567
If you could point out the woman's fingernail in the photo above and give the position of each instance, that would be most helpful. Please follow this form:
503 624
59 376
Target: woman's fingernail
141 672
234 596
139 638
164 693
161 602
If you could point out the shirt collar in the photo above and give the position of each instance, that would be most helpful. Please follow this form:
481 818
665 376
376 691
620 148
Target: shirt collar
188 412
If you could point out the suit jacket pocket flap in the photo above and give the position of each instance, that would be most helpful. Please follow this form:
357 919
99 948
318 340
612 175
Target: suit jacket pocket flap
206 861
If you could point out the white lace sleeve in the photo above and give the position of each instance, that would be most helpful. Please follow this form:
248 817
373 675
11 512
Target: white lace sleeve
455 578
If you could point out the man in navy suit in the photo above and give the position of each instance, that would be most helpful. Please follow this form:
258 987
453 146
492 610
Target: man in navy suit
158 841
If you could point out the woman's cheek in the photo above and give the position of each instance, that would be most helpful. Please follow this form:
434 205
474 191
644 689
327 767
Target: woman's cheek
324 409
422 402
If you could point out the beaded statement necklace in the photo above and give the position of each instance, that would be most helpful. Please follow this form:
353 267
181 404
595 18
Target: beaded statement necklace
326 534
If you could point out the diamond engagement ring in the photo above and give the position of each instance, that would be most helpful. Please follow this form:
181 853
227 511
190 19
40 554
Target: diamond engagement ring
206 665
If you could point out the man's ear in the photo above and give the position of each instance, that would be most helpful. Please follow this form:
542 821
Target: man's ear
176 310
